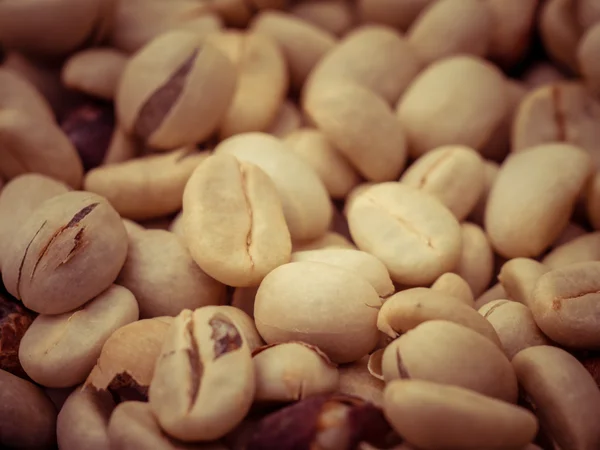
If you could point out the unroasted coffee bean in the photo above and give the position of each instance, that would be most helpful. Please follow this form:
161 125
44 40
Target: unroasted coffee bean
27 416
204 380
523 216
83 420
147 187
409 308
356 380
90 129
344 328
61 350
519 276
175 91
452 284
460 417
126 364
564 395
331 15
95 71
292 371
585 247
392 216
566 304
448 353
14 322
133 426
164 278
234 222
66 253
336 421
496 292
397 13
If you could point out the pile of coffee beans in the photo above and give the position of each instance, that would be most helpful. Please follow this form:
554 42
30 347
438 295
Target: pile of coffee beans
300 225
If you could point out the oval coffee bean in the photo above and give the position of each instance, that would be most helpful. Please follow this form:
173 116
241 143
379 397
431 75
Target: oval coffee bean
571 232
175 91
566 305
518 277
204 380
362 263
292 371
462 418
67 252
514 325
126 364
453 91
409 308
336 311
83 420
27 416
332 16
452 284
452 174
448 353
565 396
580 249
524 216
490 172
476 262
61 350
234 222
393 216
306 204
354 118
560 33
164 278
451 27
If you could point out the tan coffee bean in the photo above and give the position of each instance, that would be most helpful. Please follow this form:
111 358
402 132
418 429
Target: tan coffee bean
126 364
410 308
581 249
122 147
354 118
175 91
519 276
476 262
560 32
17 93
133 427
70 249
333 16
451 27
452 92
22 24
292 371
262 81
593 201
288 119
375 57
238 13
397 13
330 239
496 292
355 379
453 174
27 416
61 350
490 172
564 112
541 73
523 216
336 311
392 216
460 417
514 325
19 198
566 304
234 222
137 22
566 398
456 286
148 187
306 204
571 232
448 353
164 278
214 383
361 263
302 43
95 71
83 420
338 176
513 26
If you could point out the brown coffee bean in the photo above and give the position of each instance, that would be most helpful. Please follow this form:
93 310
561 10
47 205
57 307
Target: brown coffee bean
560 32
